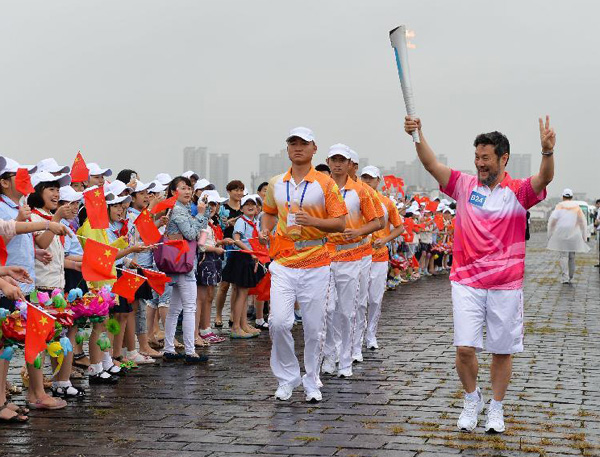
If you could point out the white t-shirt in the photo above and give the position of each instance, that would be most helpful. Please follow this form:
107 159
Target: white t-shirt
52 275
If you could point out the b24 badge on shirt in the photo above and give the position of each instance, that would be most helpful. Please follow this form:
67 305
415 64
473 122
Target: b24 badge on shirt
477 199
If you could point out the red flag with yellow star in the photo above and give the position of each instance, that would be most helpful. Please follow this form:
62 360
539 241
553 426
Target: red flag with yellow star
157 280
40 326
98 260
127 285
147 229
95 205
79 170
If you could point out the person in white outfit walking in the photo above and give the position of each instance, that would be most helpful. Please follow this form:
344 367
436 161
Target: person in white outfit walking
567 234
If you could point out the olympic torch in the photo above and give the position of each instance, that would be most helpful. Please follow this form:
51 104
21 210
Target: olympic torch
398 39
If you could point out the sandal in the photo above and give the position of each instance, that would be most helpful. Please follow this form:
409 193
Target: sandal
16 408
13 389
200 343
117 370
218 324
39 404
77 360
68 392
178 345
212 338
155 355
16 418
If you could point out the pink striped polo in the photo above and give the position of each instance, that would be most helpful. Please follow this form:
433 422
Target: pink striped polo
489 236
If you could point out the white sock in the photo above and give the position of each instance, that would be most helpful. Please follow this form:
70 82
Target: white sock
473 396
495 404
206 331
260 321
64 384
106 360
130 354
95 368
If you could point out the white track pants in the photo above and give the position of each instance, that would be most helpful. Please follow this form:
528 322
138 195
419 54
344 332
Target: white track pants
309 287
377 280
360 323
341 311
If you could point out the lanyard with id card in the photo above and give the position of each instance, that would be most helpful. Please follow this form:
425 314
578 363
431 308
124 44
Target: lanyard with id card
294 230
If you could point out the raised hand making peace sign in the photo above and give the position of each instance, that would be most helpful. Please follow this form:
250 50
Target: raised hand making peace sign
547 135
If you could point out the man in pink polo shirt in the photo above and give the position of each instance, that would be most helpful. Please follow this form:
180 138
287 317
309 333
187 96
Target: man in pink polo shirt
488 260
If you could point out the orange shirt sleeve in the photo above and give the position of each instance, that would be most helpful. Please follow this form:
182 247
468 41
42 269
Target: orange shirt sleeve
270 205
393 214
376 202
334 202
366 206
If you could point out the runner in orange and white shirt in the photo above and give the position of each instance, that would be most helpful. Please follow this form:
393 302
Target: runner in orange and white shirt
360 321
372 176
305 205
347 250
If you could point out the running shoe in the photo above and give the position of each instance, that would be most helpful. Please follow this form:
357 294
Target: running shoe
471 409
329 366
284 392
495 420
314 397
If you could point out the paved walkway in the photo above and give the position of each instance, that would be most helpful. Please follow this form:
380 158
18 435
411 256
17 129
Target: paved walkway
402 401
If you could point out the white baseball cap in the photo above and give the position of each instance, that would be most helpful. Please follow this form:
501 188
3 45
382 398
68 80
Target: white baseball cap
68 194
46 176
353 156
112 199
11 166
448 210
140 186
339 149
212 196
301 132
567 193
371 171
158 187
163 178
2 164
190 174
117 188
201 184
50 165
253 197
95 170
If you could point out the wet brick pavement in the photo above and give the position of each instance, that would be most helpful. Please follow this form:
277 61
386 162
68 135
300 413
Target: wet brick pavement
402 401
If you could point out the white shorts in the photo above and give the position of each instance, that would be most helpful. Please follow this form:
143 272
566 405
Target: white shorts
500 310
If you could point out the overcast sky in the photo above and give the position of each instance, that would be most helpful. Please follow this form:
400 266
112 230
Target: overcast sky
131 83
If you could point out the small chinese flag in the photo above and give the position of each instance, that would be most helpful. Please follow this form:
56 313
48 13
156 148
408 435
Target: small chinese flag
95 205
40 326
127 285
182 245
414 262
147 229
390 181
260 250
79 170
262 289
23 182
431 206
157 280
439 221
165 204
98 261
3 252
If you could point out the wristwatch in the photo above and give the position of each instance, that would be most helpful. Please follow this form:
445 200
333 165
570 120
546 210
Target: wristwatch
547 153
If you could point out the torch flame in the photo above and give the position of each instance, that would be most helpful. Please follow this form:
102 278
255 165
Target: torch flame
410 34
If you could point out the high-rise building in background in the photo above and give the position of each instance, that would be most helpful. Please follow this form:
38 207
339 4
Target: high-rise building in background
219 171
194 158
269 165
519 166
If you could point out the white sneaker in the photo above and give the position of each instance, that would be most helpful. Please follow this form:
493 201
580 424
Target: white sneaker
471 409
135 356
357 358
495 420
372 346
314 396
346 373
284 392
329 366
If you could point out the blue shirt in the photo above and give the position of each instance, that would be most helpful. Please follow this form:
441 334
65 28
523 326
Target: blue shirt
72 245
143 259
245 230
20 249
